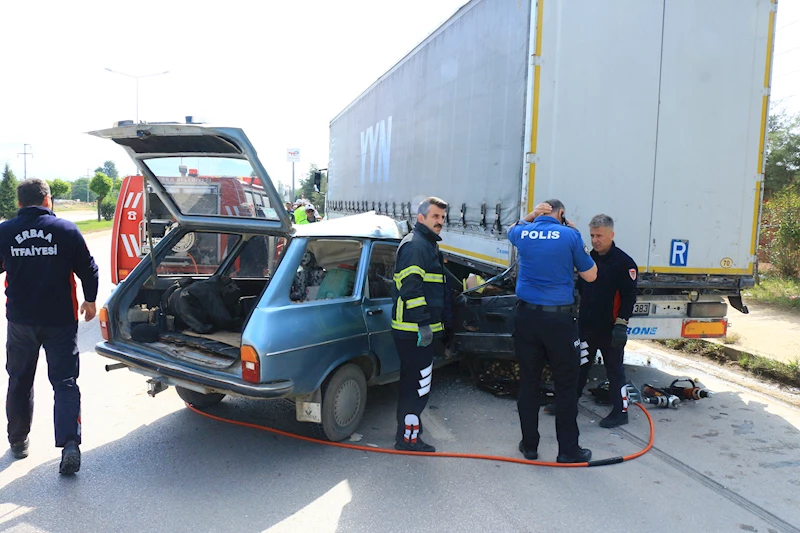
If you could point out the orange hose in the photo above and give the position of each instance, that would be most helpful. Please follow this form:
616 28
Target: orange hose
196 270
440 454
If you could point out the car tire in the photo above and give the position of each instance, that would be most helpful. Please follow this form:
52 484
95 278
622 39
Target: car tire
344 397
198 399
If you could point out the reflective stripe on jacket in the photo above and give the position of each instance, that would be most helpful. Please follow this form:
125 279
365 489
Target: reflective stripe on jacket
419 282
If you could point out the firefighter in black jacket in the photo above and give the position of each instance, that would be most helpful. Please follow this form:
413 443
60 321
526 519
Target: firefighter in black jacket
606 306
418 316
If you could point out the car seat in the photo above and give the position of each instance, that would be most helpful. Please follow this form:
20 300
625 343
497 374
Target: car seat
338 282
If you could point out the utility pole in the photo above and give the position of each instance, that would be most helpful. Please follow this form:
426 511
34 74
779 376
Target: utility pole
25 153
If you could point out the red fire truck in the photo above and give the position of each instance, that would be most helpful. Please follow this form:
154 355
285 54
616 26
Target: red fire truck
201 253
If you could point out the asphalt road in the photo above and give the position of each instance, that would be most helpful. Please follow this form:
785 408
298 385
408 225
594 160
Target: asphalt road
724 464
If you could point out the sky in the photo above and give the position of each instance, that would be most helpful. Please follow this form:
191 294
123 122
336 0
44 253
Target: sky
280 70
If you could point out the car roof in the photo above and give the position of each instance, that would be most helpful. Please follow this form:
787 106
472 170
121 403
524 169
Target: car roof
361 225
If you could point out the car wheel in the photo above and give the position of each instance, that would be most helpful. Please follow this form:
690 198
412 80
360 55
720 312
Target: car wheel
344 397
198 399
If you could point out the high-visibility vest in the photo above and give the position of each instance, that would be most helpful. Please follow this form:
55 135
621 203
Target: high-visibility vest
300 216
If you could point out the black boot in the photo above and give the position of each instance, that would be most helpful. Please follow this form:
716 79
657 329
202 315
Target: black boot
580 455
419 446
530 455
20 449
70 458
614 419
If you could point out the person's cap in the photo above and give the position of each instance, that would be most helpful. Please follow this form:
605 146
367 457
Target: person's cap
310 208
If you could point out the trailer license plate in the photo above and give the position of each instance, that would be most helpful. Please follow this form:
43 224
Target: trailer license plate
641 309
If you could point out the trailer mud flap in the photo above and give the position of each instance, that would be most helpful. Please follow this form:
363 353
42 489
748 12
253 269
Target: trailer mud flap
736 303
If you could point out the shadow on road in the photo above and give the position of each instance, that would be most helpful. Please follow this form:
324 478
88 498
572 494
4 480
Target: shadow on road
184 472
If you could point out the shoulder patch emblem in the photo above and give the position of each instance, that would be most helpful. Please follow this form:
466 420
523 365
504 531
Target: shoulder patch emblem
632 273
586 249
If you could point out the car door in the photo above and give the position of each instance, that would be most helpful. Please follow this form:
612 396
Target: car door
377 306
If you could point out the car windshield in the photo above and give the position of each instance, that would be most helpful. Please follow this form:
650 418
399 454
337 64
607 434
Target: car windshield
217 186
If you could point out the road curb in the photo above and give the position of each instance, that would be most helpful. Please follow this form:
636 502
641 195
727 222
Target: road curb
732 354
728 354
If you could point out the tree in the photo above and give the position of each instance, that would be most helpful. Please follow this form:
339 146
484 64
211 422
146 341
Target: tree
107 207
115 190
100 185
80 191
782 170
781 224
59 188
109 169
8 194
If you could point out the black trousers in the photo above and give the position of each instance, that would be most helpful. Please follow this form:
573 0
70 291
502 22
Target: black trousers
22 354
547 337
615 372
416 371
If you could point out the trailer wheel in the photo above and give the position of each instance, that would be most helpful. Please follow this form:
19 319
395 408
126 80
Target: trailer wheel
344 396
198 399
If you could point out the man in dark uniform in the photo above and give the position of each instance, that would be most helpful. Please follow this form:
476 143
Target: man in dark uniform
417 317
545 329
606 307
290 211
40 253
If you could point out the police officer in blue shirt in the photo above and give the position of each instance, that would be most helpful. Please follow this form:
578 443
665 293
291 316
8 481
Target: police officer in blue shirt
550 249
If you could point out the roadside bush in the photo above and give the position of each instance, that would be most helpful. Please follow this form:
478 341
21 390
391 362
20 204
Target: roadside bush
782 221
108 207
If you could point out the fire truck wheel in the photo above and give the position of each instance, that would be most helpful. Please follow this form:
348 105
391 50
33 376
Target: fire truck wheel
198 399
344 396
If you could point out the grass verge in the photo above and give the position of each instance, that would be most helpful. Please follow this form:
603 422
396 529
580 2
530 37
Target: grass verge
89 226
78 206
788 374
782 293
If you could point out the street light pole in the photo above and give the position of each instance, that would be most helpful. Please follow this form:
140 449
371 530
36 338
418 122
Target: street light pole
136 77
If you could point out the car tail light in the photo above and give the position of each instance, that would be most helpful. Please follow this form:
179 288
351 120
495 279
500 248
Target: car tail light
251 368
695 329
122 273
103 318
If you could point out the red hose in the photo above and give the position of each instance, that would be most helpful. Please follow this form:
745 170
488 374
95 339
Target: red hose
600 462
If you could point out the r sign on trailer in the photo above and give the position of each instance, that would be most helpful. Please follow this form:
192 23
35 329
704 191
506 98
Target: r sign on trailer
679 253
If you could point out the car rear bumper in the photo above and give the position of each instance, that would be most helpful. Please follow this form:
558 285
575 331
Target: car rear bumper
173 374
